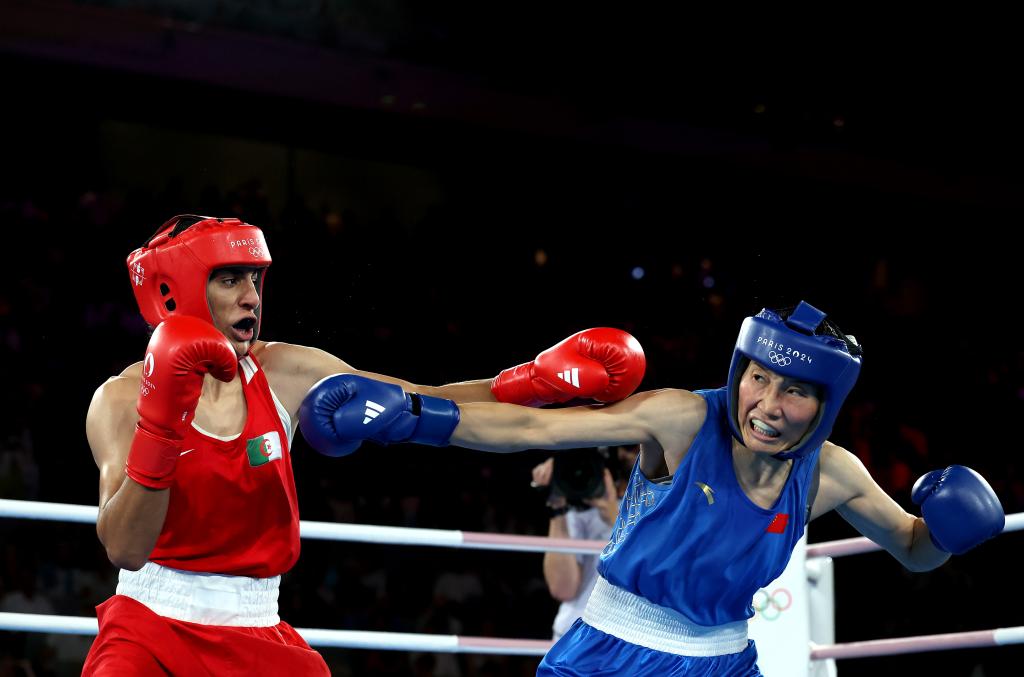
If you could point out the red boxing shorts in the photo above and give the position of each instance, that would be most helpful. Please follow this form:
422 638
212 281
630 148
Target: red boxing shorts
133 640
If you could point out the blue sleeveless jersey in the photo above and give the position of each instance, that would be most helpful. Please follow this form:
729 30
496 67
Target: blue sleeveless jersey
699 545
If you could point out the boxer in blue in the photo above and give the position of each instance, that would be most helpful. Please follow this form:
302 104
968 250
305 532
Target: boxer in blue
726 481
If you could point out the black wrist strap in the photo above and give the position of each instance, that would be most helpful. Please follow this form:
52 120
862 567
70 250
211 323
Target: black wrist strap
557 512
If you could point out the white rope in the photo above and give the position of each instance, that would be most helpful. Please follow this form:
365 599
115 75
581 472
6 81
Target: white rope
1004 636
391 641
330 531
346 639
58 512
61 625
364 533
401 641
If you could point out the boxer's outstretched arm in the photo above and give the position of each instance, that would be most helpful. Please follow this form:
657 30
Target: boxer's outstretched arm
603 364
293 369
664 417
343 410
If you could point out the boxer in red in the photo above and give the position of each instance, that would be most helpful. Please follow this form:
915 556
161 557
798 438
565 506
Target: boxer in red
197 497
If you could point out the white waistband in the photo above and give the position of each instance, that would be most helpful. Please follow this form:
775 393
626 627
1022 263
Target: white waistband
632 618
209 599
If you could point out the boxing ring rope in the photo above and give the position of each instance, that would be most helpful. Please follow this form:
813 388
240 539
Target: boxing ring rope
891 647
344 639
858 545
332 531
362 533
85 514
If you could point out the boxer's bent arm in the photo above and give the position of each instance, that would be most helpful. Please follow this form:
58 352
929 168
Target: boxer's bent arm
669 418
131 515
846 483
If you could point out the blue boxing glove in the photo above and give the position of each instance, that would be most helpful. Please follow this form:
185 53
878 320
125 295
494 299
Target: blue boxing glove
959 507
341 411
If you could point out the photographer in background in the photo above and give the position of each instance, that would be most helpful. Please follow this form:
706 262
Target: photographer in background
583 496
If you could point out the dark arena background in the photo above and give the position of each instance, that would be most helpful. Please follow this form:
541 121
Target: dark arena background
447 189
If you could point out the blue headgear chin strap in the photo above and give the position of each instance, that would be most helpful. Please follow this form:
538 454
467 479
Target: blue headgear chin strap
790 347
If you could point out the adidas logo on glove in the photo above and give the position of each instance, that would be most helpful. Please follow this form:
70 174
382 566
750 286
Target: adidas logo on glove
373 410
571 376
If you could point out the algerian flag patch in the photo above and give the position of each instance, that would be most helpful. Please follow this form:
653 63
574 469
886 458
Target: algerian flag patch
263 449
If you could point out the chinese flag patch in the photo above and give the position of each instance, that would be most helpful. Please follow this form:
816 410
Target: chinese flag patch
778 524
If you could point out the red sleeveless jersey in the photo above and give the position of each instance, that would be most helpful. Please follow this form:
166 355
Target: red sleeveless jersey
233 508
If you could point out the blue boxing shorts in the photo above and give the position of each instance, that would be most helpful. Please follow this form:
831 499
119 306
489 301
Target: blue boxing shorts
623 634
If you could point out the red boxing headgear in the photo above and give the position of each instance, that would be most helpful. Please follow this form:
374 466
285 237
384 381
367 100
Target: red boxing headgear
170 272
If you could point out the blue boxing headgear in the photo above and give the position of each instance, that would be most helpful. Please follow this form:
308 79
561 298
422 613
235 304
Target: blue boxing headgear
796 348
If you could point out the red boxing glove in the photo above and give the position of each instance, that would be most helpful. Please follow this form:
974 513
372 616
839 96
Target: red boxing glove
181 350
603 364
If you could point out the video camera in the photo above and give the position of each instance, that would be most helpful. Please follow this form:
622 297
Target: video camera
578 475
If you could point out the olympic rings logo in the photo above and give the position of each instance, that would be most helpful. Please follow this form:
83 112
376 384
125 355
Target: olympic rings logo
255 251
779 359
771 605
